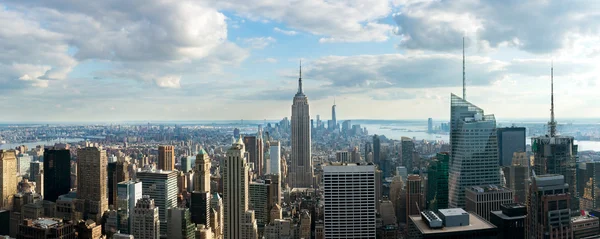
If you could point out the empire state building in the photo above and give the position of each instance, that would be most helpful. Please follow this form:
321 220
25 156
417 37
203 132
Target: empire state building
301 170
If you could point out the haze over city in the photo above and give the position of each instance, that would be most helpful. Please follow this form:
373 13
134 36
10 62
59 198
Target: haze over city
104 61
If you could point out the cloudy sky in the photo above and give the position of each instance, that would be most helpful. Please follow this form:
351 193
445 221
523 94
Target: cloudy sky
71 60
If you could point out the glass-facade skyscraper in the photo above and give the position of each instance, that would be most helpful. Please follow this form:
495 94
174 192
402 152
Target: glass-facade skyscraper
474 150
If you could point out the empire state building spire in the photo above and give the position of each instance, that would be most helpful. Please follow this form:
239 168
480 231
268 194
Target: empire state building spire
300 79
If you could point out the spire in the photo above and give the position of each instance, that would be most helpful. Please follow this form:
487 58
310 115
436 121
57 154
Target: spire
464 96
552 123
334 101
300 79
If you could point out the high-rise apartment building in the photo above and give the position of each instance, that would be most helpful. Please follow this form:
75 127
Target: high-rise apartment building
414 195
437 182
301 169
23 161
8 178
161 186
510 140
483 199
549 213
57 173
166 157
235 192
92 188
180 224
474 150
128 193
146 223
273 166
349 193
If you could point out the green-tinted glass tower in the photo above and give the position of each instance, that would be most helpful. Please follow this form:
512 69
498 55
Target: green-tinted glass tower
437 188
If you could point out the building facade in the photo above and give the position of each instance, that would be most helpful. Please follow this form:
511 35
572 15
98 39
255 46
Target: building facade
414 195
349 193
146 223
8 178
510 140
92 185
166 157
474 150
301 169
235 192
161 186
437 182
128 193
510 221
180 223
273 166
486 198
548 210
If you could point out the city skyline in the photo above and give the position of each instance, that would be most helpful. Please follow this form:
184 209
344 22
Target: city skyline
243 56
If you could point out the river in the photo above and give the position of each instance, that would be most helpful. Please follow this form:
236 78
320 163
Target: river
32 145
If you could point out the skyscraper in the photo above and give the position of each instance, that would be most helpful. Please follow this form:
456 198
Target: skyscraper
128 193
429 125
591 189
474 150
414 195
180 224
548 208
349 192
92 188
517 176
8 178
557 154
161 186
486 198
235 192
437 189
333 118
255 151
510 141
146 223
376 149
273 166
408 147
202 172
301 170
57 173
166 157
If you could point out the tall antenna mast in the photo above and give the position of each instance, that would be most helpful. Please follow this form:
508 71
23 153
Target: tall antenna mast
464 88
300 78
552 122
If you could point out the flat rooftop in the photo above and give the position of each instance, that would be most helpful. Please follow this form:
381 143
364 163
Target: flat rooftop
475 223
349 168
452 212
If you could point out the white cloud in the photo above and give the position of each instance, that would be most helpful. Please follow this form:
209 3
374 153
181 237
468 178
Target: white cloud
146 38
285 32
168 81
336 21
439 25
259 42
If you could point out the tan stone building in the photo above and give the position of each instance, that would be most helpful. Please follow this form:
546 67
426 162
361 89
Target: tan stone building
8 178
166 157
92 190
